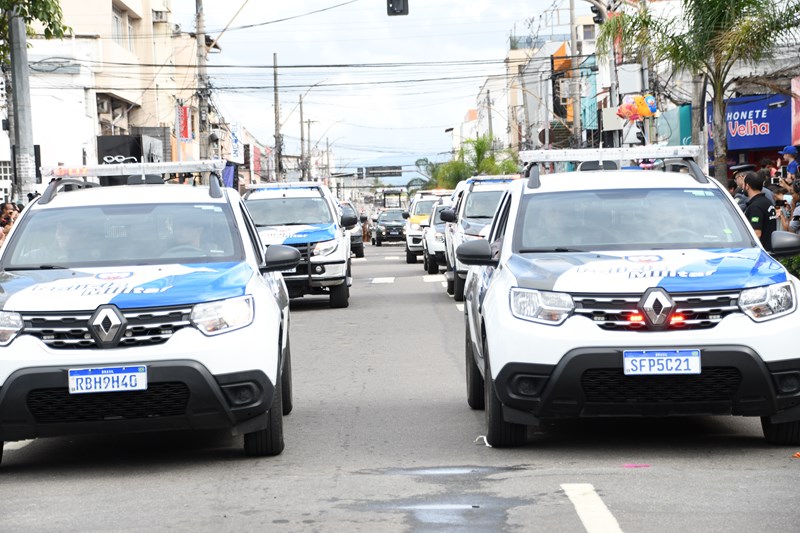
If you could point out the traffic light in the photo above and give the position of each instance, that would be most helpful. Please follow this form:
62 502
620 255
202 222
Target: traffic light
397 7
600 14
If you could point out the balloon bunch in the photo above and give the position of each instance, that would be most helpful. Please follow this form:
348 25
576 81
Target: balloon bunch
637 107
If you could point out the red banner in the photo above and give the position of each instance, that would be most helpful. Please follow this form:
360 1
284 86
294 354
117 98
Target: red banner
184 123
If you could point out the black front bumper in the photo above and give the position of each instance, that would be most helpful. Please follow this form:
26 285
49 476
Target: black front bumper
35 402
590 382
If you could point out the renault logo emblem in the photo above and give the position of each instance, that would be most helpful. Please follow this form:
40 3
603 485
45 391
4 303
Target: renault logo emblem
107 325
657 306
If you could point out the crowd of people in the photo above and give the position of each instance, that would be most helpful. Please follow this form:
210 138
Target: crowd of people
769 197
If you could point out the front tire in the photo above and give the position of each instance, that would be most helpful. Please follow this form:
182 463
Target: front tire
458 287
268 442
433 266
411 257
339 296
783 433
475 383
360 251
499 433
286 381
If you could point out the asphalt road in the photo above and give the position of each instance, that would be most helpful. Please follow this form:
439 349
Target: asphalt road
381 439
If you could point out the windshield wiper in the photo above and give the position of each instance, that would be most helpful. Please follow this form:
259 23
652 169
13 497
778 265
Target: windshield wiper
546 250
37 267
478 216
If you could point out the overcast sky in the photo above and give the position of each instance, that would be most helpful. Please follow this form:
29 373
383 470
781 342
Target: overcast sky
388 113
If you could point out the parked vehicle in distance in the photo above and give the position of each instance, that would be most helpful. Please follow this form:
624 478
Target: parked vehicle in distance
356 230
474 203
388 226
433 241
143 307
419 212
305 215
650 295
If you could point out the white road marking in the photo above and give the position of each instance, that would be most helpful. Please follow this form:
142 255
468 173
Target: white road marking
591 510
382 280
433 278
16 445
460 307
358 260
392 257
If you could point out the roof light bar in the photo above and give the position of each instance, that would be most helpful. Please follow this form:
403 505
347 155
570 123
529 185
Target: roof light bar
130 169
610 154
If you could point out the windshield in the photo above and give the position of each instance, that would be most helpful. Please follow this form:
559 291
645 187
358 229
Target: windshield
289 211
391 216
423 207
482 204
347 209
123 235
630 219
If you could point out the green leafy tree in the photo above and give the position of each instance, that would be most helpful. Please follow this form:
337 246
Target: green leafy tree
475 157
47 13
712 37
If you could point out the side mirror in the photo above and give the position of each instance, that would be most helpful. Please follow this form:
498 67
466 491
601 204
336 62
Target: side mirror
348 221
448 215
280 257
477 252
362 218
406 214
785 244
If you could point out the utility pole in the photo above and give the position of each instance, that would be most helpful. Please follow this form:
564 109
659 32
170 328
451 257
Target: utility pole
24 160
525 116
302 144
489 106
202 80
576 78
278 139
308 149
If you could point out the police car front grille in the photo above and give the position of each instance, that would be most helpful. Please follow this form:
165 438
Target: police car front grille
58 406
611 385
697 310
70 331
303 249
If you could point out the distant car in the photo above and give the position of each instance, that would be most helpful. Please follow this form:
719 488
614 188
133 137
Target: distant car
417 214
389 226
356 231
433 241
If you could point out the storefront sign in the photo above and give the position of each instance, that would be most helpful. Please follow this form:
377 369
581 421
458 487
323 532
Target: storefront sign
756 122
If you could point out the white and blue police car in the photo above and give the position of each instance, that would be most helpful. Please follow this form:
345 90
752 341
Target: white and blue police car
142 307
628 293
304 215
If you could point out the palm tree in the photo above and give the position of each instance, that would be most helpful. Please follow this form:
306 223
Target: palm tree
476 156
713 37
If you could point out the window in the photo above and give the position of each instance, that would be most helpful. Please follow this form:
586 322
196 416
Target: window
588 32
116 25
130 36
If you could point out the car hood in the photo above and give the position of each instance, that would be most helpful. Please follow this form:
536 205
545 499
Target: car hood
417 219
392 224
128 288
635 272
297 234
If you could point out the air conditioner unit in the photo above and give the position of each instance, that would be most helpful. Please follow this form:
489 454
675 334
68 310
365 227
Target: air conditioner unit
104 106
160 16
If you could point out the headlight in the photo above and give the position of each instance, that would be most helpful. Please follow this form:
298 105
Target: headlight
765 303
439 237
10 325
415 226
551 308
213 318
325 247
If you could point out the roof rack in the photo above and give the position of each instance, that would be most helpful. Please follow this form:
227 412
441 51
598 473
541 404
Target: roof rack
136 173
498 178
57 185
284 185
595 158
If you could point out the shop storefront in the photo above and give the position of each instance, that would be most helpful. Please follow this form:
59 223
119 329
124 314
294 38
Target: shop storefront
757 127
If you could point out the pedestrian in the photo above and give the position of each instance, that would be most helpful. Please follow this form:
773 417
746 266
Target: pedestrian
789 154
769 165
790 218
739 195
759 211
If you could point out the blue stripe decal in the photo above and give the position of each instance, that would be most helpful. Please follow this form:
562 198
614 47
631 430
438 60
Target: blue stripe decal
732 269
212 281
318 233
